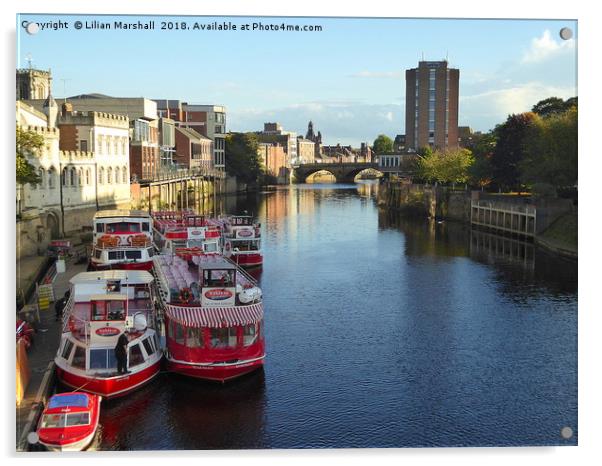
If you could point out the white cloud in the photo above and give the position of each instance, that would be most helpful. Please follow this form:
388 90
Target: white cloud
545 47
494 106
388 116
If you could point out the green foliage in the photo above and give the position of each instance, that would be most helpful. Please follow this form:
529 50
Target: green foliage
481 171
551 151
28 143
242 159
553 106
383 144
445 167
510 149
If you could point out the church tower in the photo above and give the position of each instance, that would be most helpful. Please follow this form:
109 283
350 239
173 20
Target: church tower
33 84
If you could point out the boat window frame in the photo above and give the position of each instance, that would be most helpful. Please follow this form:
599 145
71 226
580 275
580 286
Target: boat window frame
200 340
67 342
130 352
79 365
107 358
255 334
147 345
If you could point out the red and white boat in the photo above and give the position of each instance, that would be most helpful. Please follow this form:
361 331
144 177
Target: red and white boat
69 421
185 233
104 305
213 317
122 239
242 240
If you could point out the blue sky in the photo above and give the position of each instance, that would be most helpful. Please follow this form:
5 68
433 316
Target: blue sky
348 78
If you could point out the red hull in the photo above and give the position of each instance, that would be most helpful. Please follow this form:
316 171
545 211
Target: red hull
214 373
124 266
248 260
109 388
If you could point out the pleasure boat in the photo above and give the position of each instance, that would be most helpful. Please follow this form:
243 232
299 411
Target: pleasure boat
103 305
122 239
69 421
242 240
213 316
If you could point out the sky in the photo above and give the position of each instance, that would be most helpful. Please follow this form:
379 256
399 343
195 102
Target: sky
348 78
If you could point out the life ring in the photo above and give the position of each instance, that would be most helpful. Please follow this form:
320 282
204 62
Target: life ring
185 295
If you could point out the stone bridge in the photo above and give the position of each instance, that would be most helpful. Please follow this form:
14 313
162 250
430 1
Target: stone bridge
344 172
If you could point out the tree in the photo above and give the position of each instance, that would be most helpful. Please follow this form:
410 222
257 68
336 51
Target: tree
383 144
242 159
510 149
551 151
481 171
445 167
549 106
28 143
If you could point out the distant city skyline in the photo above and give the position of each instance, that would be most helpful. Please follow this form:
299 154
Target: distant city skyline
349 78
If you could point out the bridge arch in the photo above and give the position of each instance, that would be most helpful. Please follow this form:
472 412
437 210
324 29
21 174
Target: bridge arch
343 172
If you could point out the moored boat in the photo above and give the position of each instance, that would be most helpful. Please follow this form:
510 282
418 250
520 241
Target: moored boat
185 233
122 239
104 305
69 421
242 240
213 317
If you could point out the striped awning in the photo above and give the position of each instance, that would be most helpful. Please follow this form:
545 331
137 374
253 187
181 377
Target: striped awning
215 316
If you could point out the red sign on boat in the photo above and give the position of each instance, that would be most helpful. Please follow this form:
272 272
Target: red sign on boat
218 294
244 233
107 331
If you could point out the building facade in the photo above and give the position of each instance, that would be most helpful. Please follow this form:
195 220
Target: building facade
273 158
305 150
432 106
209 121
273 133
193 150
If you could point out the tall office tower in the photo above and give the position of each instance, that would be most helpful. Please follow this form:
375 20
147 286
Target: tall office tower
432 106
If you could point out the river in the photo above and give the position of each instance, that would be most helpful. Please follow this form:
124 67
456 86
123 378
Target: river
380 332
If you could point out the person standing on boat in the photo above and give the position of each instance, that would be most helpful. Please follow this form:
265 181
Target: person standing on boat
121 353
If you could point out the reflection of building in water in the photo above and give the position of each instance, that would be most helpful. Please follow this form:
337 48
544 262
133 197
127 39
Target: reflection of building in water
493 247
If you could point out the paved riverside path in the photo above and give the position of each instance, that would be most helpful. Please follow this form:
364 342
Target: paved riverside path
43 350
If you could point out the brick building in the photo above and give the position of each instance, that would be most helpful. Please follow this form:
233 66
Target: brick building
432 106
193 150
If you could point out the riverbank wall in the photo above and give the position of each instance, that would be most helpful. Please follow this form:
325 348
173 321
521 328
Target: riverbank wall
445 203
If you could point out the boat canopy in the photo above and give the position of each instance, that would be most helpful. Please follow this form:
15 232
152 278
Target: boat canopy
216 316
127 277
79 400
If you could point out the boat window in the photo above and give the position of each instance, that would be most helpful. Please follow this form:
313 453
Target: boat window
136 357
67 349
79 357
133 254
210 247
249 334
53 420
223 337
194 337
123 227
98 253
147 346
102 358
145 226
116 310
77 419
100 228
98 311
150 251
218 277
179 333
115 255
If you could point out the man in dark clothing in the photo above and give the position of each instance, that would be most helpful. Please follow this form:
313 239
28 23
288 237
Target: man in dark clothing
121 353
59 305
